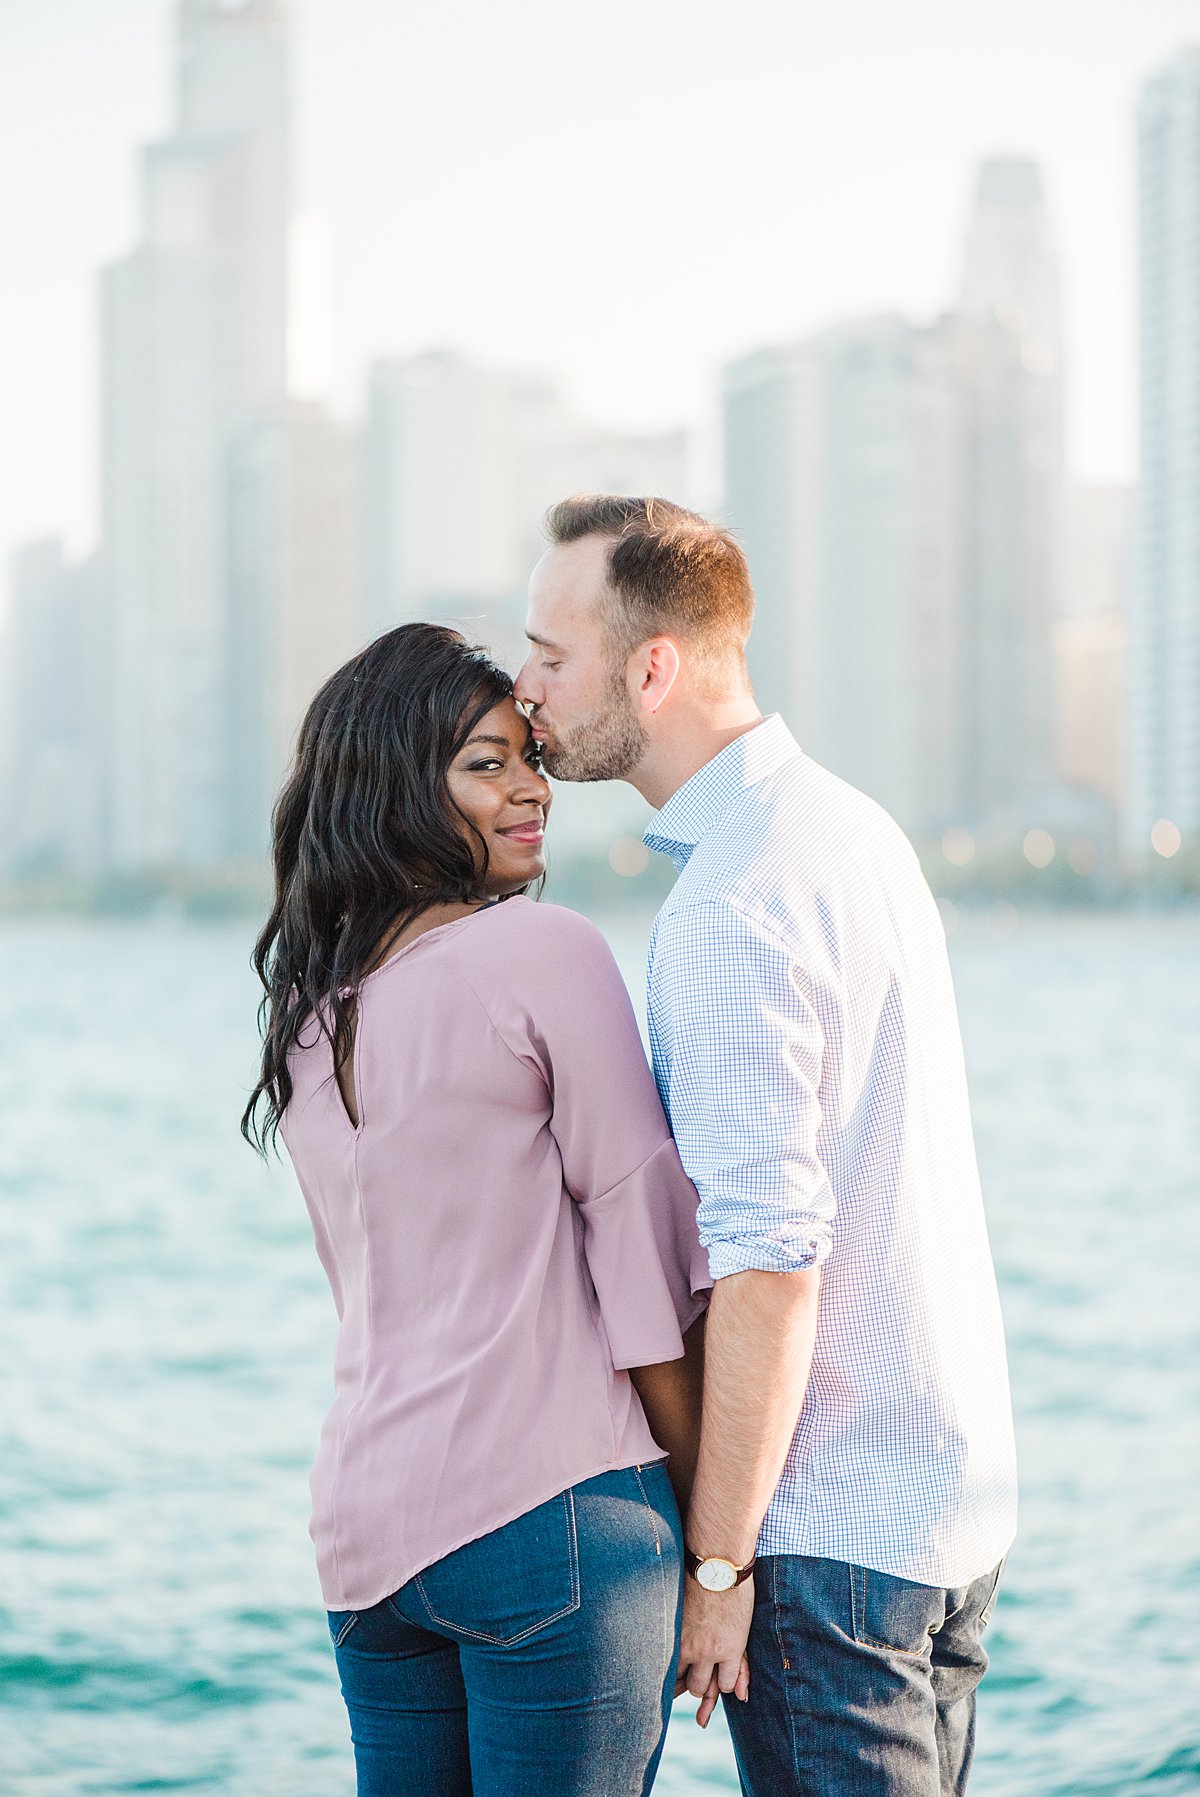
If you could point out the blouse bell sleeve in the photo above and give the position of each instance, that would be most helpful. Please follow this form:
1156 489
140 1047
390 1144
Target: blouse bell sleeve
620 1163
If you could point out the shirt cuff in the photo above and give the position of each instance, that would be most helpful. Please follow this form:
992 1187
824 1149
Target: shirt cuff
791 1250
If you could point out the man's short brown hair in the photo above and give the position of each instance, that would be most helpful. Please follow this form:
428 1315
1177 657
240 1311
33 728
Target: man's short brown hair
670 572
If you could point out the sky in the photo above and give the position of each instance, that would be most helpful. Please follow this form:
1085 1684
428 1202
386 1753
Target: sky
628 194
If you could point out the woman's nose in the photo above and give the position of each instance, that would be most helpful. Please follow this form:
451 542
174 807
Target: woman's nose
531 786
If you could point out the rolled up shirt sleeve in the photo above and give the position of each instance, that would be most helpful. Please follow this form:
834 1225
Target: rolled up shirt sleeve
738 1053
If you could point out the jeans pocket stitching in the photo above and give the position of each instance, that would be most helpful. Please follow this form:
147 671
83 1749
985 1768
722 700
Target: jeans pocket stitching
777 1616
637 1473
672 1607
774 1564
350 1623
858 1610
985 1615
903 1653
572 1553
568 1502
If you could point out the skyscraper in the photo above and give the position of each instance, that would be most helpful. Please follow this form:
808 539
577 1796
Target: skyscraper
898 488
1091 644
296 588
1008 488
840 464
51 716
1165 607
462 460
1009 266
193 348
443 487
1008 348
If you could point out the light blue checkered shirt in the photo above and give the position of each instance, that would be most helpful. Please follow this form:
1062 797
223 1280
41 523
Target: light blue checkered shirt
806 1047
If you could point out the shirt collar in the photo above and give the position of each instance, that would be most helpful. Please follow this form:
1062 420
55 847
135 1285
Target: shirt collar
690 813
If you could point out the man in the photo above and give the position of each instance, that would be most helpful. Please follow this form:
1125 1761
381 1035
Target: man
855 1490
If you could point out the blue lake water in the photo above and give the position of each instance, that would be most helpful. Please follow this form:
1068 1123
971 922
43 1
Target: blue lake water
165 1338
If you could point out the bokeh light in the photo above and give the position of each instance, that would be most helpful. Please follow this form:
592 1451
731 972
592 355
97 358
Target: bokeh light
1165 838
628 857
958 846
1038 847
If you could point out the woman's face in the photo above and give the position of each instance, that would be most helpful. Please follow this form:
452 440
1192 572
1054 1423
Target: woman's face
497 782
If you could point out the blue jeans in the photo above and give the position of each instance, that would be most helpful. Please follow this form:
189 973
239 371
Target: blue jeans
539 1659
861 1685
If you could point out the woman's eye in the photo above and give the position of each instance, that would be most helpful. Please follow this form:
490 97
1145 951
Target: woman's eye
485 767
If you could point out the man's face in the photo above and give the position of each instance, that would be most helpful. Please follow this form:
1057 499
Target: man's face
572 685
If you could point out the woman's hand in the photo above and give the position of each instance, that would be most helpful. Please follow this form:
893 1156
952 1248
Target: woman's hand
712 1649
708 1702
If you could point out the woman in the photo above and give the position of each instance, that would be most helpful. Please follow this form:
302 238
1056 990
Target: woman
510 1239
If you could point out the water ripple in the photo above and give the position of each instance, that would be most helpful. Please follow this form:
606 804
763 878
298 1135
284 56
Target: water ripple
167 1335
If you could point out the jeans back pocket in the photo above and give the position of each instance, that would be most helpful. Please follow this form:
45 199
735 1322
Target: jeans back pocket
894 1613
341 1624
510 1583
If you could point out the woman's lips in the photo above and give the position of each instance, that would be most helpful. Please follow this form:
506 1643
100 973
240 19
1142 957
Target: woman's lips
532 833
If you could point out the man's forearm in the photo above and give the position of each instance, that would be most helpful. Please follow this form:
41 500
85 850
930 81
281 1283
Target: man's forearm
758 1351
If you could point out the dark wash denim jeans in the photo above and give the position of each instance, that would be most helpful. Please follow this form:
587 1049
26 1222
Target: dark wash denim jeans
538 1661
861 1684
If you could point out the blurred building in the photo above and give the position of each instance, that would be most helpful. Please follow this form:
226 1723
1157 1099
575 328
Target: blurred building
561 454
852 552
1091 643
193 350
1164 778
1009 495
1010 267
297 595
443 486
1010 368
898 490
462 461
51 726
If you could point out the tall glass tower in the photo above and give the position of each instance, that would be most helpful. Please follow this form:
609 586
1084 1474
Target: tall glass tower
193 350
1164 782
898 489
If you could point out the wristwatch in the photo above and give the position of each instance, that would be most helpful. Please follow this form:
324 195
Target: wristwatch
714 1574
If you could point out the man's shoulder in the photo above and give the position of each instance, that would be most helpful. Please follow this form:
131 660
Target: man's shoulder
792 833
804 858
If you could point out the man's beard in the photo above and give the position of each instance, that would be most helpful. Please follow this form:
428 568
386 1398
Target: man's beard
607 745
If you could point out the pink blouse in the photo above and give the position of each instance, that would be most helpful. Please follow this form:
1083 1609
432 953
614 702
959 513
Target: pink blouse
507 1230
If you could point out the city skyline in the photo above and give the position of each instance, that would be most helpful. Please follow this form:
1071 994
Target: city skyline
941 607
899 162
899 489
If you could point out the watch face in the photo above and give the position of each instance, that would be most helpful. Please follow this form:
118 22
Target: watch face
716 1575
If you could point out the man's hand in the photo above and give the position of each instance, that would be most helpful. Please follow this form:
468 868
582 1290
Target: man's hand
712 1650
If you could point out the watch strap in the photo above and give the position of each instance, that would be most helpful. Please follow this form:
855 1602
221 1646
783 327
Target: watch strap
694 1561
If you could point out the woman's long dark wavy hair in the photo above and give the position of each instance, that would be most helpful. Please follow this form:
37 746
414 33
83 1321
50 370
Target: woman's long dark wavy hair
365 837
